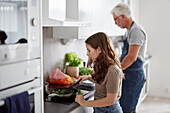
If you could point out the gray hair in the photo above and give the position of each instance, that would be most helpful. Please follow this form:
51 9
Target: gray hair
120 9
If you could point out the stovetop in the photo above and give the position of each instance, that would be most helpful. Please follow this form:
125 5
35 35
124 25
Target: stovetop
63 100
87 90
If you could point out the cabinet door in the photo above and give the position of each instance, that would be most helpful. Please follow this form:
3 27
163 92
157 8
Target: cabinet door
51 14
66 12
57 9
78 14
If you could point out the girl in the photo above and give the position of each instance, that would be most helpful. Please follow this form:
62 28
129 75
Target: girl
107 75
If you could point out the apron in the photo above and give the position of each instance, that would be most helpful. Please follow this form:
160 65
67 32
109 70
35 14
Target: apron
133 82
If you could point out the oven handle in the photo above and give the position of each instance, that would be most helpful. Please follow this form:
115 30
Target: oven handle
30 91
20 84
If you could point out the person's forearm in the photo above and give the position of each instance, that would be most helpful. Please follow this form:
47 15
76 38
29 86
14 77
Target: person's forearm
99 103
131 56
127 61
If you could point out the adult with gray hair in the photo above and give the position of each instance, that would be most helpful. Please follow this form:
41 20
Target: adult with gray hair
132 58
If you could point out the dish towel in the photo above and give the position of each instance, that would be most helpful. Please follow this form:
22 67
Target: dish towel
18 103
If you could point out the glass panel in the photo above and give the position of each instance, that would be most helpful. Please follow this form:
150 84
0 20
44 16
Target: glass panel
13 21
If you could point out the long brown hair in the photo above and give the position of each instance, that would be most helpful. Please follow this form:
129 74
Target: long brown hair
106 58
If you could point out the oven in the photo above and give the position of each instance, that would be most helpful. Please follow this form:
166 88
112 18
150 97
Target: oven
19 77
20 51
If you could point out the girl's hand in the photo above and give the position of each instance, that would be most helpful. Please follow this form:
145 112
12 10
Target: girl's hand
83 77
80 99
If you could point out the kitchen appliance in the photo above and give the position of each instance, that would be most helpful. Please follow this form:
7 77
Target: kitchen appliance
20 54
20 21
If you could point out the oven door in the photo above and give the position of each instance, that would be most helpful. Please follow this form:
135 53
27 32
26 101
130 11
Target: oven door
35 100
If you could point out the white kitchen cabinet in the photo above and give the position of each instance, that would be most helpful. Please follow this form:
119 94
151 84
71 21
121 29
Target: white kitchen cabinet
66 12
52 16
75 29
57 9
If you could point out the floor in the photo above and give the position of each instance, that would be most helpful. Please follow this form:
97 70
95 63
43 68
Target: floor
154 105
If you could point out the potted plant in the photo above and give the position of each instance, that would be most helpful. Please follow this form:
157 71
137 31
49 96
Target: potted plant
72 63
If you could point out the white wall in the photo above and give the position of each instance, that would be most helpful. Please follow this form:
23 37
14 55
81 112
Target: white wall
155 18
134 6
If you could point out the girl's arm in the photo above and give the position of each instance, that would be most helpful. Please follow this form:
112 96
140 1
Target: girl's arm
107 101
